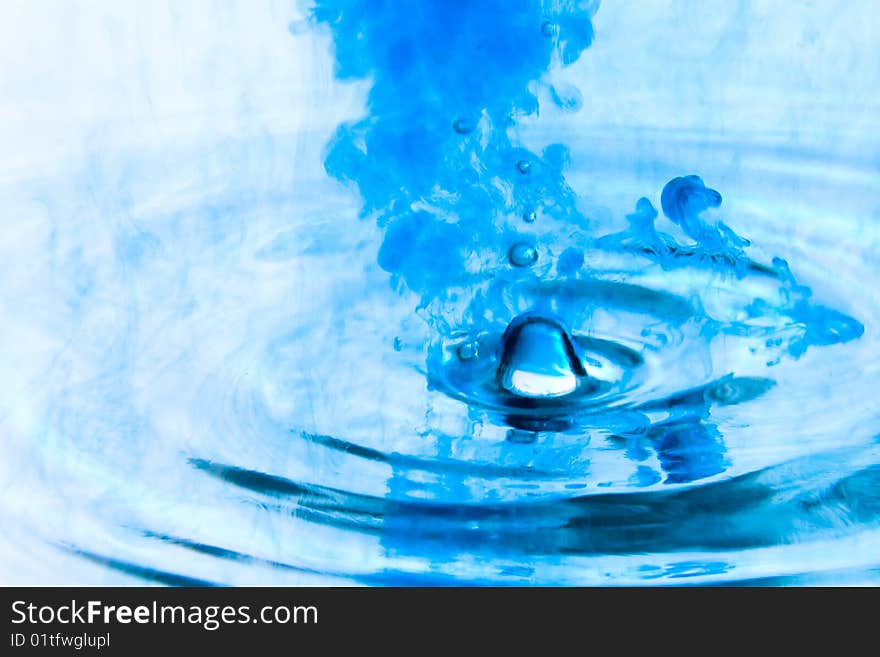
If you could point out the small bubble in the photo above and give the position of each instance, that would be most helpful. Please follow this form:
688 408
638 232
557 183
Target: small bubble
463 126
522 254
529 216
548 29
524 166
468 350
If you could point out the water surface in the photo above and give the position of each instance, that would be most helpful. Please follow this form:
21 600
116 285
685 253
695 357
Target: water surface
299 357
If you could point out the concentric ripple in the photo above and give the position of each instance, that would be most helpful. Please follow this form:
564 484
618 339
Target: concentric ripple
356 445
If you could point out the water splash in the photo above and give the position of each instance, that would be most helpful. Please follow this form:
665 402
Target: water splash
438 165
544 322
538 359
221 386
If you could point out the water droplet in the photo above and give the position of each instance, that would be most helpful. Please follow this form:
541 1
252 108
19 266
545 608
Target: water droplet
538 358
529 216
524 166
468 350
463 126
522 254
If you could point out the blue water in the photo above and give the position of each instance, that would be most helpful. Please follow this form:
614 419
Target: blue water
474 339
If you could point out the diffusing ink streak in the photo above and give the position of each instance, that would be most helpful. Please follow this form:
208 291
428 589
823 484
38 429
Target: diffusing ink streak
449 82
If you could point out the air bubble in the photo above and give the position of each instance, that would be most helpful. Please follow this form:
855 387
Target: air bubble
522 254
463 126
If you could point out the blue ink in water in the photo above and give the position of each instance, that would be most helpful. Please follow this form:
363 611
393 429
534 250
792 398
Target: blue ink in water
446 198
630 335
434 161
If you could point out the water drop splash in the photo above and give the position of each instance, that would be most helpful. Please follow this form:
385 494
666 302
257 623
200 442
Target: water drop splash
448 200
538 358
570 363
